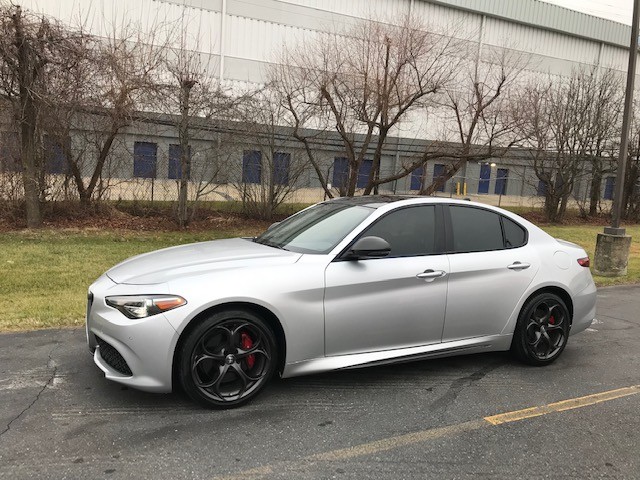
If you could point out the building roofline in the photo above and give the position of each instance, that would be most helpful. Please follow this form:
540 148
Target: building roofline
538 14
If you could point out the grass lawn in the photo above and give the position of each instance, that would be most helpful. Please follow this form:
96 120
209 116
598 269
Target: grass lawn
44 275
585 236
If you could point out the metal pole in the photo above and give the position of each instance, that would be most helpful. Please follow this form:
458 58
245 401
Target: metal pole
626 123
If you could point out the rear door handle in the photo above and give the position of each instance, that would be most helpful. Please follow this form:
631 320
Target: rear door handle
518 266
431 274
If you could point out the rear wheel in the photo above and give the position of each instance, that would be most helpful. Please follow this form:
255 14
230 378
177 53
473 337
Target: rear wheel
227 359
542 330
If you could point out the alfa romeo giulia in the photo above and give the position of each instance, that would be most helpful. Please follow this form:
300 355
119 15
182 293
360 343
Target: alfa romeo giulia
346 283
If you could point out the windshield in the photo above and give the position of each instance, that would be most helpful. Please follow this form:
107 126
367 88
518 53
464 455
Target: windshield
317 229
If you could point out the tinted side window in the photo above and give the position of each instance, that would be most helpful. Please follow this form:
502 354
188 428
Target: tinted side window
514 234
475 229
409 231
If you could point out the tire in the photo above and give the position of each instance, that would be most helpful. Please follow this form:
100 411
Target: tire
542 330
227 359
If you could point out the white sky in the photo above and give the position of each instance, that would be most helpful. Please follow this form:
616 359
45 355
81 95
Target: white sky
617 10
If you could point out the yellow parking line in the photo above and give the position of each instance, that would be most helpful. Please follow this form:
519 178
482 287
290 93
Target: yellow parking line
563 405
434 433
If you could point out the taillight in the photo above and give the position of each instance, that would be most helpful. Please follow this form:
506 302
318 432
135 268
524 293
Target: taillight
584 262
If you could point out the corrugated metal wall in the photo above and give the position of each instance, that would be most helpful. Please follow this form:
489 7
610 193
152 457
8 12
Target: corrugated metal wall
256 29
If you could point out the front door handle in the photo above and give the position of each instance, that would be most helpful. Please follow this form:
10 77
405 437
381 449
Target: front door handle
431 274
518 266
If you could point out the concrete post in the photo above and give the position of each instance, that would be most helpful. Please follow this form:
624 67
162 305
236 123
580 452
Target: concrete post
612 255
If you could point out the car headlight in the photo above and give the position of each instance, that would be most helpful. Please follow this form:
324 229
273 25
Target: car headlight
141 306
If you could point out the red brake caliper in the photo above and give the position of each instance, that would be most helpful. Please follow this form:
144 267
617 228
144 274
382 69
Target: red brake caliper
552 321
247 343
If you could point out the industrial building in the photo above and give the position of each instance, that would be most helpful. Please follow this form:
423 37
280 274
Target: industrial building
241 37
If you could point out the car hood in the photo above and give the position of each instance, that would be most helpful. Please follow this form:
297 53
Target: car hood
197 258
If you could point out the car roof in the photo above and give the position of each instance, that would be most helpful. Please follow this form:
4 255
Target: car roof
376 201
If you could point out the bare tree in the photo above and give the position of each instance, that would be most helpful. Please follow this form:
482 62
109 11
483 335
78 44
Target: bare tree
564 131
631 191
271 172
363 83
32 49
112 86
193 99
602 129
478 120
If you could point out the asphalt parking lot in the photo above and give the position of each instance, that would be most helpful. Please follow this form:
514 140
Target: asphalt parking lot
450 418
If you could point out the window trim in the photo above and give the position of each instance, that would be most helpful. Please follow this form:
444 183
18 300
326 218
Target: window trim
449 230
439 240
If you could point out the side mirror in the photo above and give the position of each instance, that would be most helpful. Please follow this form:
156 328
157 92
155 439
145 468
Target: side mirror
369 247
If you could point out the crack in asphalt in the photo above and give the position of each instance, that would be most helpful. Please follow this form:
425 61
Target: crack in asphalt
50 363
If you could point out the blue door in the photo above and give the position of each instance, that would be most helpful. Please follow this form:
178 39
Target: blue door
416 178
56 155
501 181
609 186
251 166
542 188
485 176
340 171
438 172
281 163
145 155
174 171
363 173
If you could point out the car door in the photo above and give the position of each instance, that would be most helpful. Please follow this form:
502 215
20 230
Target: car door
393 302
491 266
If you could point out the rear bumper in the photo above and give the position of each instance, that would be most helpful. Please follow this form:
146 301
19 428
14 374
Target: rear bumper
584 308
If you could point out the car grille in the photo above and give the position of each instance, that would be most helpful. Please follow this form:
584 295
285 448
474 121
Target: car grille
113 358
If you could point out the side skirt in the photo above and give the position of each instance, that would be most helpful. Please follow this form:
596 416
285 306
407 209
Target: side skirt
491 343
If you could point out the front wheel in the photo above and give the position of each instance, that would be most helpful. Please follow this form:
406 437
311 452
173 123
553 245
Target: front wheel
542 330
227 359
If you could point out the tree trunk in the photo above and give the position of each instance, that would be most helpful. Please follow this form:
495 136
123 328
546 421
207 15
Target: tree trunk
30 176
594 194
28 116
563 206
185 157
551 207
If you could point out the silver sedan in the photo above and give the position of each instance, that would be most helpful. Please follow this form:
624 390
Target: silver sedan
347 283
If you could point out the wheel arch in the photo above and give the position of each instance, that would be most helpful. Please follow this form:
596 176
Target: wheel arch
560 292
272 320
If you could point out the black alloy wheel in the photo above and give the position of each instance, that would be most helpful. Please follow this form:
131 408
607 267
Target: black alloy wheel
227 359
542 330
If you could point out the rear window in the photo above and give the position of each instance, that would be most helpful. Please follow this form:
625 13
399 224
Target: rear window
514 235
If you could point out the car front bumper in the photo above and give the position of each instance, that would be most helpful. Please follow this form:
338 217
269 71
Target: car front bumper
136 353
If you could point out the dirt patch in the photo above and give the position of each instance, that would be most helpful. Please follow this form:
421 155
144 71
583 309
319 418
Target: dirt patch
103 216
158 216
571 218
